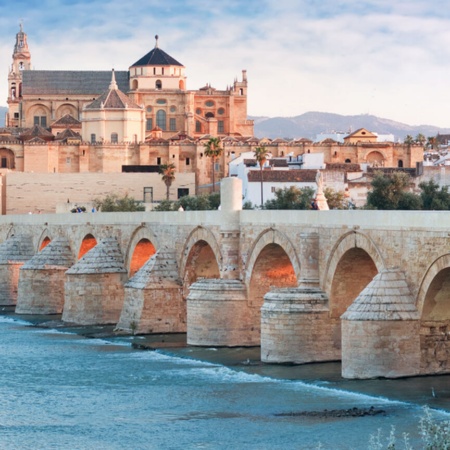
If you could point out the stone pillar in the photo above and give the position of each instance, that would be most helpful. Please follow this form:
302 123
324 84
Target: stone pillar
295 322
231 204
14 252
154 298
94 287
381 330
231 194
294 326
218 314
41 282
309 260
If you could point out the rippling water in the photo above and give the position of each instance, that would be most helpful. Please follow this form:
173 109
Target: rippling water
63 391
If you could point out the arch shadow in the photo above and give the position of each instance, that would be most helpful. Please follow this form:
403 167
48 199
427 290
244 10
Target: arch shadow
350 240
266 237
199 234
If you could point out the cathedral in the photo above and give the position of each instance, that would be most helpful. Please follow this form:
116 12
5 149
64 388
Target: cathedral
124 106
84 134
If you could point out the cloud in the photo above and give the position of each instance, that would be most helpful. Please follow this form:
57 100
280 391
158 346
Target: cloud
374 56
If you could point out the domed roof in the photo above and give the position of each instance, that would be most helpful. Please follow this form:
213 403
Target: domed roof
157 57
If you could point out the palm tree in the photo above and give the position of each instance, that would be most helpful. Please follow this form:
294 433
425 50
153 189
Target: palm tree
261 155
168 176
214 150
421 139
409 140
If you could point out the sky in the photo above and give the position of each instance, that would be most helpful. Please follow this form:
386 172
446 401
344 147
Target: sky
381 57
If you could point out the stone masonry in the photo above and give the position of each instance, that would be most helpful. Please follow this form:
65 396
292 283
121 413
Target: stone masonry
279 279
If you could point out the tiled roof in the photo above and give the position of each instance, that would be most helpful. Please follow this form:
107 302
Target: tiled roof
44 82
157 57
346 167
274 162
68 134
280 176
66 121
113 99
36 131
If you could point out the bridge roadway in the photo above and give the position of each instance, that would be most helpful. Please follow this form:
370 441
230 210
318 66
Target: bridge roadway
369 288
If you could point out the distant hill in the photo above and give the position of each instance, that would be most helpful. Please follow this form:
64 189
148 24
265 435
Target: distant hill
309 124
3 110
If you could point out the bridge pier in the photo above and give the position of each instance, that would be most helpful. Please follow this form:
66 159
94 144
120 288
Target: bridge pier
295 322
42 278
14 252
94 288
218 314
154 298
381 330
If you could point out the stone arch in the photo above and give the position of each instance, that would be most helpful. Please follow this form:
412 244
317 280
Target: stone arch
40 110
7 158
348 241
141 247
44 239
265 238
437 267
66 108
375 158
199 234
87 243
134 85
181 85
433 304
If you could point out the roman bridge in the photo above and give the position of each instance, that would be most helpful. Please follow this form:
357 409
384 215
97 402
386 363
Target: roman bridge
369 288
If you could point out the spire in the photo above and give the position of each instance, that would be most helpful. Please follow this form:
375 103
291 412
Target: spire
113 84
156 39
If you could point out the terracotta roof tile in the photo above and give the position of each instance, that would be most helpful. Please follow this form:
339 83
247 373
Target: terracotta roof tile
288 176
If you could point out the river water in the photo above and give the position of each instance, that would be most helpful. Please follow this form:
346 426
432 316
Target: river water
59 390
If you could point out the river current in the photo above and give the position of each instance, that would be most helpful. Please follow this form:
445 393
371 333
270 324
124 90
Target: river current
60 390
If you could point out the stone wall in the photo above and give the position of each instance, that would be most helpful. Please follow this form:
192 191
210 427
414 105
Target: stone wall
41 192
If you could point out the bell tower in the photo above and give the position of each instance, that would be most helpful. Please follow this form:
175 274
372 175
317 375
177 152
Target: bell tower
21 61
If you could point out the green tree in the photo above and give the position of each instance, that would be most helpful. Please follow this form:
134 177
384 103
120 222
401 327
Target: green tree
291 198
164 205
433 197
213 150
168 176
335 199
387 190
115 203
261 155
409 201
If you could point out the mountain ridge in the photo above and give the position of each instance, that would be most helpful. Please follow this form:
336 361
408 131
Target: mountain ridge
310 124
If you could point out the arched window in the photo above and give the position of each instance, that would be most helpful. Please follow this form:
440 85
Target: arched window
198 126
158 84
161 119
135 84
181 85
114 138
209 115
400 163
348 161
93 138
